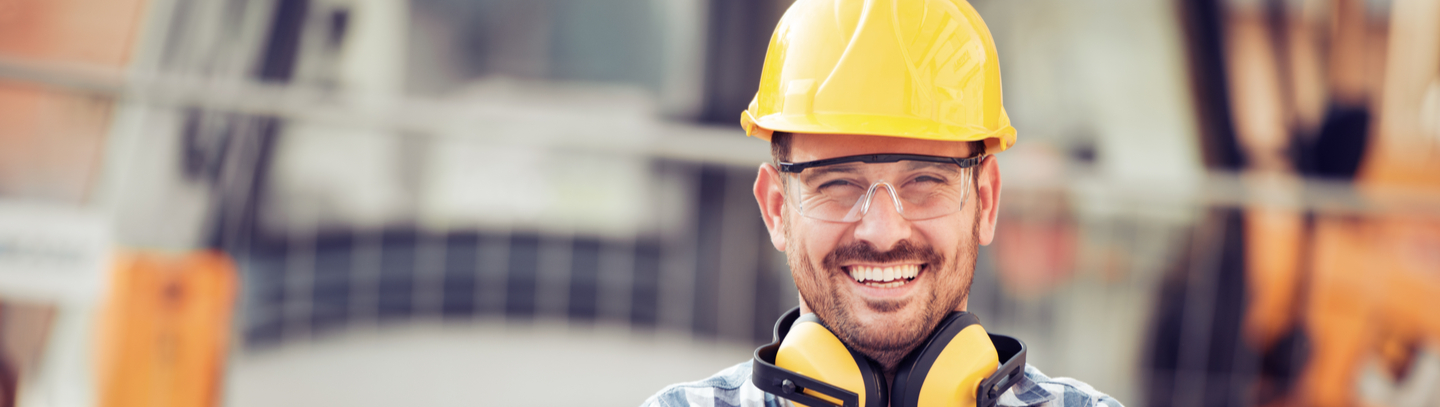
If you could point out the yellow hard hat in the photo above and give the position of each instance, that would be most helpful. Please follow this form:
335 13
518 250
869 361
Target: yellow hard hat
924 69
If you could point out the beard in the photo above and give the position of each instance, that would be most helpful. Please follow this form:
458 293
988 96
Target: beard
949 285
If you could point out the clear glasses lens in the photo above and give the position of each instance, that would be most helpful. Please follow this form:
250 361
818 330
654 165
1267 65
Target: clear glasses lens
846 192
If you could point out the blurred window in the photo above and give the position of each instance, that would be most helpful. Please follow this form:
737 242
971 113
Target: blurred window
456 41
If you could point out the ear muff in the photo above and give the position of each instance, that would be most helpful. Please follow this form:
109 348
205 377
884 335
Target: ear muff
958 365
1012 368
810 366
947 369
811 349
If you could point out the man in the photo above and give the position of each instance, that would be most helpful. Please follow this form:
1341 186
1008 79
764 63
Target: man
881 247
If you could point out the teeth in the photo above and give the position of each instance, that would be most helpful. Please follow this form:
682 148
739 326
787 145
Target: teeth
890 284
886 277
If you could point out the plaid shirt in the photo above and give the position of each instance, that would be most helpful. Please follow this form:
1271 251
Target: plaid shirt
731 388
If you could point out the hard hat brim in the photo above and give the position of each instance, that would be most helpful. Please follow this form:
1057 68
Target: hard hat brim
996 140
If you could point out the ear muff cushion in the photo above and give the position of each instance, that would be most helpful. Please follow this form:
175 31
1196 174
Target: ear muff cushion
947 369
812 350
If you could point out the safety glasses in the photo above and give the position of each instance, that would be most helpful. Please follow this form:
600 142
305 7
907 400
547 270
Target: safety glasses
841 189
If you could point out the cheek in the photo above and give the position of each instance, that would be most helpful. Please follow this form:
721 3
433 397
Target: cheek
945 233
816 239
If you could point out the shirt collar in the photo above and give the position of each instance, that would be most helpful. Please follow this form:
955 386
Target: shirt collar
1027 392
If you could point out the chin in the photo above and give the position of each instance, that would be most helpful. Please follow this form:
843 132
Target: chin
882 323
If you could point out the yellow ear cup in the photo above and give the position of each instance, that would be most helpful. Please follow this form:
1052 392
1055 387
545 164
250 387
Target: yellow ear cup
952 381
947 369
811 350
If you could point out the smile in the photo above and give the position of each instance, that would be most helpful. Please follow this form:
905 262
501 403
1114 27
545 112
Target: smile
884 276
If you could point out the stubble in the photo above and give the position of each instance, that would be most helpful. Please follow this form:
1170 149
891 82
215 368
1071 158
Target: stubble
952 277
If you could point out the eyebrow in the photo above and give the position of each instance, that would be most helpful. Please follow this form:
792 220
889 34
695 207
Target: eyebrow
947 167
816 172
842 169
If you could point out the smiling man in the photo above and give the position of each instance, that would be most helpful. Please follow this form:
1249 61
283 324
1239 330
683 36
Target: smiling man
882 116
880 250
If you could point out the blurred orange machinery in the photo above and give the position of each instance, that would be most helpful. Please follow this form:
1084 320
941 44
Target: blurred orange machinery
1372 293
165 330
1363 287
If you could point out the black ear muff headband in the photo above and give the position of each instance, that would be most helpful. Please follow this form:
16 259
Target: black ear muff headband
913 374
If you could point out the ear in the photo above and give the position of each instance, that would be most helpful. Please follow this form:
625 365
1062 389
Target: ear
987 199
770 194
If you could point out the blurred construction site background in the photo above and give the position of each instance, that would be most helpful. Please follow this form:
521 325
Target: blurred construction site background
547 202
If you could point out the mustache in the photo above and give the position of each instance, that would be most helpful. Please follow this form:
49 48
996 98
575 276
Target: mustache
865 252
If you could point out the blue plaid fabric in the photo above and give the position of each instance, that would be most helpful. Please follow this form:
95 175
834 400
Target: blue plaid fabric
731 388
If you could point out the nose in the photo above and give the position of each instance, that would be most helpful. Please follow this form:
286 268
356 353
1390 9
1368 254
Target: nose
882 225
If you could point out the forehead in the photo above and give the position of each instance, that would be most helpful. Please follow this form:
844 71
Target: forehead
810 147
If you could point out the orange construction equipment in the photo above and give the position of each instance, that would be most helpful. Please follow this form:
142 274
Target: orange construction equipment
165 330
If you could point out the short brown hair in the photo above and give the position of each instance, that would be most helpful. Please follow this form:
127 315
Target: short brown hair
780 146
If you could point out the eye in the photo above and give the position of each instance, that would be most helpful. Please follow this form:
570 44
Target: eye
929 180
835 184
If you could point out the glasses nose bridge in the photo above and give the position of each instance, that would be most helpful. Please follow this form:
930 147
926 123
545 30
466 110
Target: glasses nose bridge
870 195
